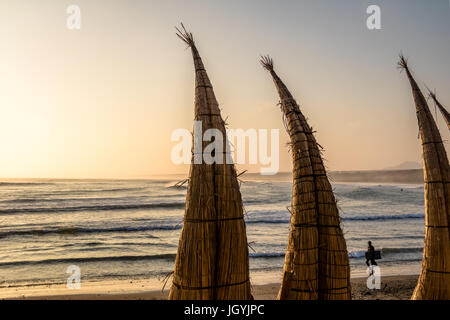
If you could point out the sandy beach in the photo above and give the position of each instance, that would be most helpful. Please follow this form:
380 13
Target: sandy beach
225 151
392 288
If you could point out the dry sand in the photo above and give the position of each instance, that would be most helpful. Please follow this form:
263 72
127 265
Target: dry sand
392 288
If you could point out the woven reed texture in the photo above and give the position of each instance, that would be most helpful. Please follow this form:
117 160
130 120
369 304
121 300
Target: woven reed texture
444 112
212 261
434 280
316 263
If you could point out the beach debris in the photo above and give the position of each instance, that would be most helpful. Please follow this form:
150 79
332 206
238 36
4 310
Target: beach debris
180 183
316 264
444 112
434 280
212 261
165 280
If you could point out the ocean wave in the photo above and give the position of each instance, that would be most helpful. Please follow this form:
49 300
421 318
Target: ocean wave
385 251
360 193
88 191
107 190
385 217
386 194
102 244
357 254
355 218
167 256
280 221
267 200
171 257
24 184
59 200
95 208
352 254
76 230
400 250
372 237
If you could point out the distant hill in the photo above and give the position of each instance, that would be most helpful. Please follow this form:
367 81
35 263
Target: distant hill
407 165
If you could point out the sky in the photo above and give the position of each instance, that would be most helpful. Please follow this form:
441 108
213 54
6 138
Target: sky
103 101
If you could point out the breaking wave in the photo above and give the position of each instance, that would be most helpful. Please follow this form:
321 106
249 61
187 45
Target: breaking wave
95 208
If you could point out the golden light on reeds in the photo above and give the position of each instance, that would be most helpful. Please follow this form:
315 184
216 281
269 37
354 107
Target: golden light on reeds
212 261
444 112
316 263
434 280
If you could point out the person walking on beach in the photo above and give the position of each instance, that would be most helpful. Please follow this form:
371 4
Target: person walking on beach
370 256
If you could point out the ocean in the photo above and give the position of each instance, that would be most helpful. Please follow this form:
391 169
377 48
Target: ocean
129 229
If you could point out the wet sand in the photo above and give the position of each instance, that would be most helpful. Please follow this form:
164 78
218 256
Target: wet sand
392 288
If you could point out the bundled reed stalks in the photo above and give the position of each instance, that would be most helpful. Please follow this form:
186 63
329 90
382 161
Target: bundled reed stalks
444 112
434 280
212 261
316 263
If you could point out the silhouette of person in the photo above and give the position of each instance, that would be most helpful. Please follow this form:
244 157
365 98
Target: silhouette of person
371 255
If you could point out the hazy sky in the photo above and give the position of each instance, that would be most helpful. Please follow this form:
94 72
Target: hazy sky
103 101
